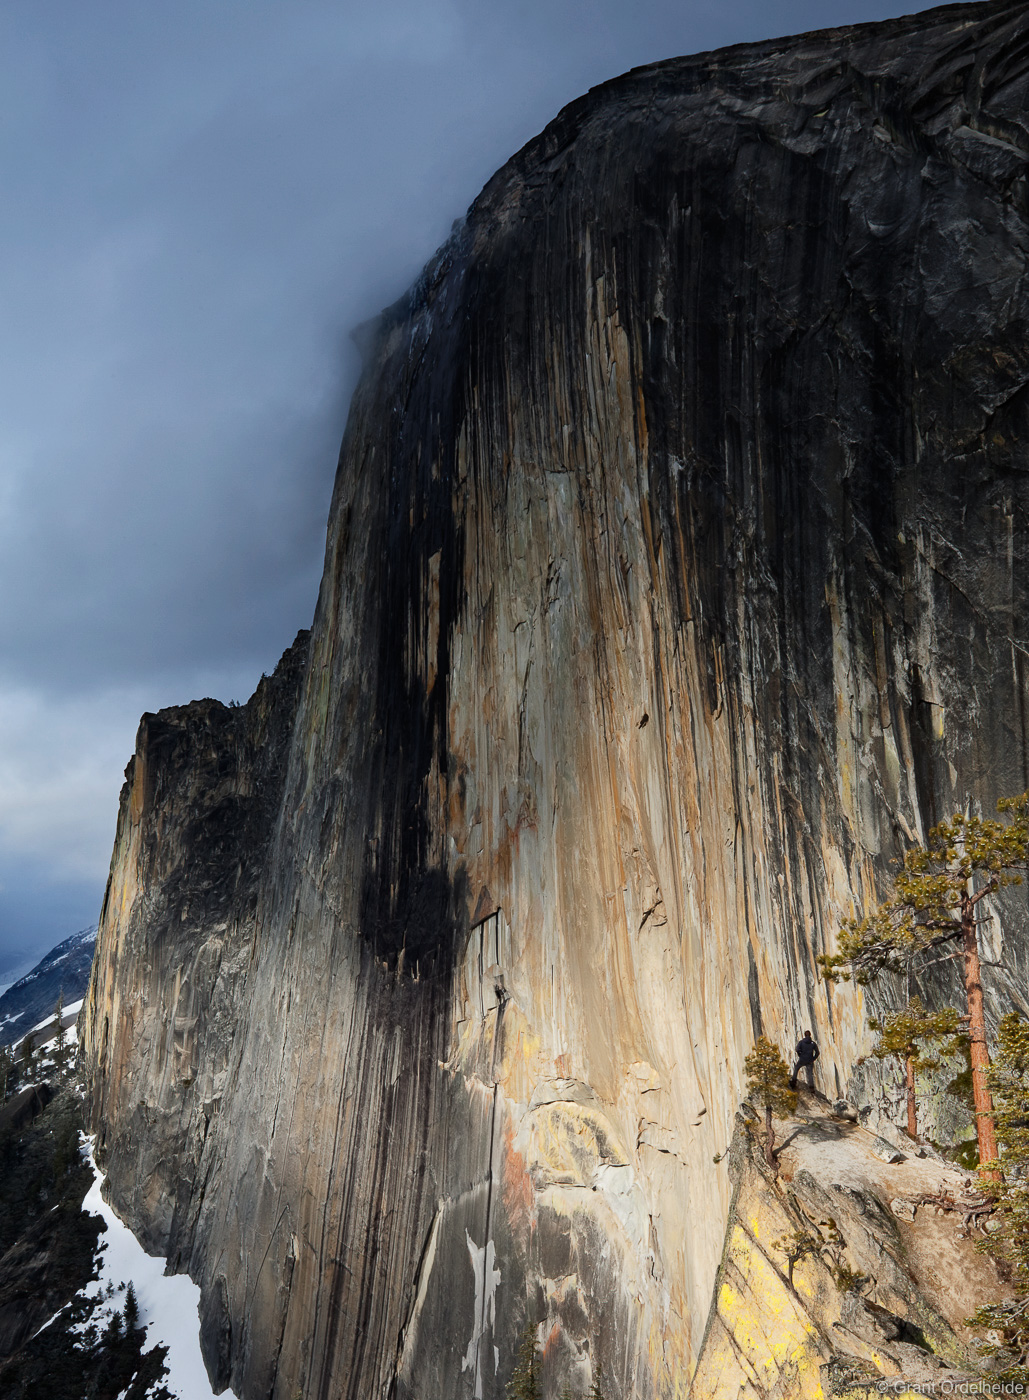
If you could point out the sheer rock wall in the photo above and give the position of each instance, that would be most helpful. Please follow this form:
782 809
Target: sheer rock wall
675 578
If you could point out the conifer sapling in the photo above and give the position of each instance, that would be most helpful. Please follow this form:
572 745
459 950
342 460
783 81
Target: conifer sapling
906 1035
768 1085
797 1245
61 1037
131 1309
596 1390
525 1381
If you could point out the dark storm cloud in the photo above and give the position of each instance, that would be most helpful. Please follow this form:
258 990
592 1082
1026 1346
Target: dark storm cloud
200 201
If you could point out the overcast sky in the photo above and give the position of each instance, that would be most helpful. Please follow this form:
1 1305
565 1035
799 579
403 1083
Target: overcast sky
201 198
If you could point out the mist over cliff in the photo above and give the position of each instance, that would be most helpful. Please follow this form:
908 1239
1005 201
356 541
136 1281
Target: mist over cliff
675 580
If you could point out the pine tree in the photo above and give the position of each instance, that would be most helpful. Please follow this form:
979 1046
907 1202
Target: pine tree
6 1065
596 1392
933 906
768 1084
131 1309
28 1054
525 1382
797 1245
1009 1320
905 1035
61 1038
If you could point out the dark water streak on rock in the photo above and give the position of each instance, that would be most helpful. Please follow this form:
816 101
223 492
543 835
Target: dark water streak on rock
675 580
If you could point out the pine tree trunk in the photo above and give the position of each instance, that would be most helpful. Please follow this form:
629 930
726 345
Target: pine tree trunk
980 1055
769 1137
909 1085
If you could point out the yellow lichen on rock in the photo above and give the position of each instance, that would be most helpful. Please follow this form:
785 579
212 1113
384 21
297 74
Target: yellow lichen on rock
857 1313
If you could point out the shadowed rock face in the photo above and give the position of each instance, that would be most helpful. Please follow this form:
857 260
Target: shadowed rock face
201 795
675 578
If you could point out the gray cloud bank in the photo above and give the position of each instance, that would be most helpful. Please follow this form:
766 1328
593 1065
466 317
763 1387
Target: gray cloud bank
200 201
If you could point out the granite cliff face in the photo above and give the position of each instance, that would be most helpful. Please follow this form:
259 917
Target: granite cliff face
675 578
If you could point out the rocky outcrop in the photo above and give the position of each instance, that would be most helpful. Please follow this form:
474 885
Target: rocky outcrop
675 579
839 1272
200 800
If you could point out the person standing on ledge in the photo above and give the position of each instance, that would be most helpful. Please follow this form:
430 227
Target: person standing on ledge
807 1054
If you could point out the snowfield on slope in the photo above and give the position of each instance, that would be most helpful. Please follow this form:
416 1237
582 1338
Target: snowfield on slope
168 1303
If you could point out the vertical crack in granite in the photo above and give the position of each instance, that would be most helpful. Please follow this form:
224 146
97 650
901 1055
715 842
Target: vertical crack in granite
675 579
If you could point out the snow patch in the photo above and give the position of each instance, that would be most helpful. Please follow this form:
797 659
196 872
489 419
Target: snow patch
487 1276
168 1303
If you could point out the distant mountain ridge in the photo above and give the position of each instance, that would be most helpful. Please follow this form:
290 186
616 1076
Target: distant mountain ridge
65 968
